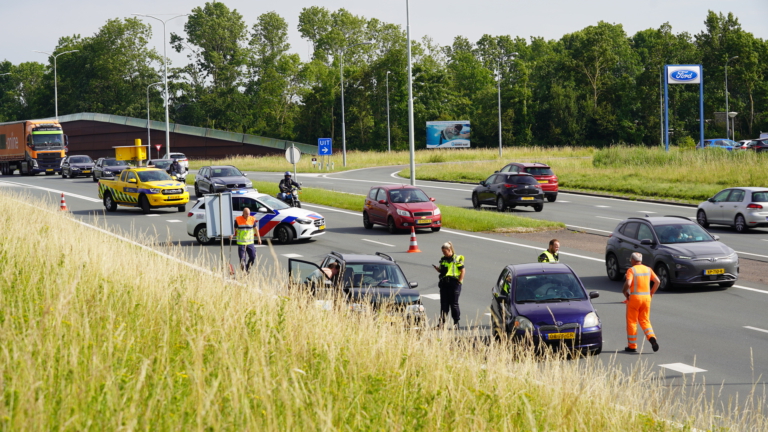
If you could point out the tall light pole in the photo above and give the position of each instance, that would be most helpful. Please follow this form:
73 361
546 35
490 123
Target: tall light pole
499 92
165 80
55 78
343 125
726 96
411 143
149 140
389 143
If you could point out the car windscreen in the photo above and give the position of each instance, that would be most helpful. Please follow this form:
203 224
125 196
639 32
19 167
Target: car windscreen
162 164
373 275
539 171
521 180
225 172
760 197
81 159
114 162
408 195
150 176
681 233
273 203
548 287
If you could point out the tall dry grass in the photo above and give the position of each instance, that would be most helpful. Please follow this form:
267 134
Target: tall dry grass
99 334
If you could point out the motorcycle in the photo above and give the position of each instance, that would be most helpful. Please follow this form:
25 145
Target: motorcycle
291 198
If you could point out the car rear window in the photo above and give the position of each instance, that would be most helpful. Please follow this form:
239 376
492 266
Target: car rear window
760 196
521 180
539 171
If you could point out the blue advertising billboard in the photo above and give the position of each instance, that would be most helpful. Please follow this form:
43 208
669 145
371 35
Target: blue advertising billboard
448 134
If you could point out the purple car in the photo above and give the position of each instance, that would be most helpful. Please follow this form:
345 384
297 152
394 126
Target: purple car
549 302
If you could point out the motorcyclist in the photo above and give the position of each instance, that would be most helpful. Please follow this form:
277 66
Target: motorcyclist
175 169
286 184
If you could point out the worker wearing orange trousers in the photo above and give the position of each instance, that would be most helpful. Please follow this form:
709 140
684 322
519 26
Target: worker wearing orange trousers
640 285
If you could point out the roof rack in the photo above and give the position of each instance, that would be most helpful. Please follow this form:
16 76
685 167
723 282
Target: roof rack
383 255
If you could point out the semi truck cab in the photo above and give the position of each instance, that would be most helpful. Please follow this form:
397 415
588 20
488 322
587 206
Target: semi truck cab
46 148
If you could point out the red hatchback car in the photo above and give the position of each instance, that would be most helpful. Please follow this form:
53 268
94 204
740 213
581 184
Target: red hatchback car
541 172
400 207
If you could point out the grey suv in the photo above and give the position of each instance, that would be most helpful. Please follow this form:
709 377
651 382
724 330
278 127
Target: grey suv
678 249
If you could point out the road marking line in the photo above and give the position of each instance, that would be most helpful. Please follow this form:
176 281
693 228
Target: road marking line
641 211
488 314
603 217
682 368
602 206
750 289
291 255
629 201
431 296
747 253
151 215
332 209
756 329
563 201
385 244
401 182
173 220
66 194
591 229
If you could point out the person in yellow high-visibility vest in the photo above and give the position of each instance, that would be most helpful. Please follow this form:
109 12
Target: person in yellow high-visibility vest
552 254
452 273
640 285
245 226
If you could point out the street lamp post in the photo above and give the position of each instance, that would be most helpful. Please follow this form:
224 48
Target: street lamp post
726 95
55 78
411 143
165 80
149 139
389 143
343 125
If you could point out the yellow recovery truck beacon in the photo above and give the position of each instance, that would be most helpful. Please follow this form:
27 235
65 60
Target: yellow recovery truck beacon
146 188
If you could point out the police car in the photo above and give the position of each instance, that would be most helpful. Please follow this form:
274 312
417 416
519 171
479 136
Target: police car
275 218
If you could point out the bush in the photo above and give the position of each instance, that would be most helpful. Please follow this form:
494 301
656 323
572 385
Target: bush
686 143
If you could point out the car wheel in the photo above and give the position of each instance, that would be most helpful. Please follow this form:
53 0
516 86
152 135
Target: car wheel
109 203
201 235
298 204
435 229
284 234
551 198
726 284
197 191
366 221
144 204
500 206
475 201
612 268
182 208
94 178
391 227
701 218
538 207
740 224
63 175
662 271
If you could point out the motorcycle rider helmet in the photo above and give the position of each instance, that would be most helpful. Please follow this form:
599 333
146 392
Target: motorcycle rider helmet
287 173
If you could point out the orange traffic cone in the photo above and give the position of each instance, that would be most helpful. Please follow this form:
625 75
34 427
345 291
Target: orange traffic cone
63 206
413 247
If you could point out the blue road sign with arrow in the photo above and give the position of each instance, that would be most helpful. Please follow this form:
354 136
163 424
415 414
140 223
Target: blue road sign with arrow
324 147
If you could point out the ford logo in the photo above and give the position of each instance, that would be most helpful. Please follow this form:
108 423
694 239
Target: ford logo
684 75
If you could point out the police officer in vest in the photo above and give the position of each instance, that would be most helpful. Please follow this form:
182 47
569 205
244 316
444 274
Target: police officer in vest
551 254
245 226
640 285
451 271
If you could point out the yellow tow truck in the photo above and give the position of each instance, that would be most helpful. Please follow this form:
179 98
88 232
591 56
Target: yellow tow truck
146 188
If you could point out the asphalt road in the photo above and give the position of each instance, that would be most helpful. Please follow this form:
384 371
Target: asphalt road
708 336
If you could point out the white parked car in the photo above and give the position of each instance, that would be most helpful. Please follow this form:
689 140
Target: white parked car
740 207
181 157
275 218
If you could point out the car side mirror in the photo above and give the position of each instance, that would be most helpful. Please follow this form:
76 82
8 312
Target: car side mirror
131 180
382 201
502 297
432 199
716 237
647 242
594 295
482 183
495 172
262 210
414 284
711 200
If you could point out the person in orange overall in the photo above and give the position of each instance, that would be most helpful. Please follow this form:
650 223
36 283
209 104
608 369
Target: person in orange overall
640 285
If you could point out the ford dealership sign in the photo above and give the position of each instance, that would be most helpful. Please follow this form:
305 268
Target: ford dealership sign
684 74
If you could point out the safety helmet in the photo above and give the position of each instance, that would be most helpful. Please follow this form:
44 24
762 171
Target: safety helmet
287 173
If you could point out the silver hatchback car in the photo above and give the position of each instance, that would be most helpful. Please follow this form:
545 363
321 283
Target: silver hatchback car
679 250
740 207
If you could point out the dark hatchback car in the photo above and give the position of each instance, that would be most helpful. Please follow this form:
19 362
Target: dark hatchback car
75 165
758 145
509 190
108 168
541 172
547 303
678 250
214 179
367 283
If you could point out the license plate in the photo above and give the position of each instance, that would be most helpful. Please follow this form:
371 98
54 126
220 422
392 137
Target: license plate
714 271
543 181
321 227
527 198
423 221
86 171
553 336
175 198
50 169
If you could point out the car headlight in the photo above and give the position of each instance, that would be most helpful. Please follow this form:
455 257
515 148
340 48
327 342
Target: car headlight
732 257
412 309
681 257
249 184
591 320
403 213
523 323
107 172
304 221
155 191
75 169
437 211
357 307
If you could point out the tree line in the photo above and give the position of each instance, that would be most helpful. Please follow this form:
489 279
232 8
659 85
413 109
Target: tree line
596 86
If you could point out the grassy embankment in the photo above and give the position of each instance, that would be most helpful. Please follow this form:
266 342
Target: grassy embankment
688 176
98 334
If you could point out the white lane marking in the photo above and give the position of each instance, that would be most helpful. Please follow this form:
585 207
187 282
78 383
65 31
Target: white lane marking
66 194
750 289
151 215
591 229
385 244
682 368
402 182
603 217
628 201
563 201
173 220
641 211
431 296
292 255
602 206
756 329
747 253
764 239
332 209
487 314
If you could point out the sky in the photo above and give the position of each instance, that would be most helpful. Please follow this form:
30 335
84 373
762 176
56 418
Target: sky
440 19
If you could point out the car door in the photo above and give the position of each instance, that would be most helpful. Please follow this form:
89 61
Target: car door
381 211
265 216
484 194
97 168
65 166
370 204
645 232
625 247
499 308
202 175
718 205
733 206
